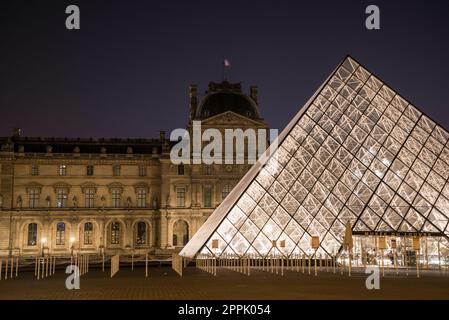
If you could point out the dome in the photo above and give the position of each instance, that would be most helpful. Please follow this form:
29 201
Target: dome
226 97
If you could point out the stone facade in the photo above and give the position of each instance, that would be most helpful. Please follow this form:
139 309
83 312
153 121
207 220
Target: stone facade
116 195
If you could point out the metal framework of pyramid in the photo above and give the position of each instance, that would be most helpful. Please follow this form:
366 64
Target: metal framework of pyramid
357 152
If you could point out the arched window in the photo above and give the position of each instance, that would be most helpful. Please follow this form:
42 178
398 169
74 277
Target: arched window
88 233
60 234
180 233
115 233
32 234
141 233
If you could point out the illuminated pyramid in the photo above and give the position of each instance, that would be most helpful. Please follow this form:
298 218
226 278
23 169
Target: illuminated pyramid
357 152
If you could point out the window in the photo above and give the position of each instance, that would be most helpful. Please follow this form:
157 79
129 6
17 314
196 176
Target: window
225 191
90 170
61 197
141 198
33 195
116 170
88 233
142 171
207 193
115 233
60 234
181 197
62 170
32 234
141 234
89 197
34 170
207 170
116 197
181 170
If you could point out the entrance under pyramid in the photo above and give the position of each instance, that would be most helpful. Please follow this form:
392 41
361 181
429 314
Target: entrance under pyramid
356 157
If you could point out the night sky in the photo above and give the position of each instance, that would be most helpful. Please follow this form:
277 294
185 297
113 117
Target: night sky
126 73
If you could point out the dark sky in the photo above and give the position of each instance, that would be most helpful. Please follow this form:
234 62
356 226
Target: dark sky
126 72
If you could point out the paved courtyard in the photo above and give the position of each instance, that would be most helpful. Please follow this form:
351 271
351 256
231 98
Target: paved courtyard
163 283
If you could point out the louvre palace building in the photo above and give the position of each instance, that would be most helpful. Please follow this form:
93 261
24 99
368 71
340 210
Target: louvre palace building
93 196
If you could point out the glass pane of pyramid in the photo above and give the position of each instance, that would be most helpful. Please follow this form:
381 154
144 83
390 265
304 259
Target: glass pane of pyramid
357 152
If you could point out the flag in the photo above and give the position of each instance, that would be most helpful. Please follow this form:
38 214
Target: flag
226 63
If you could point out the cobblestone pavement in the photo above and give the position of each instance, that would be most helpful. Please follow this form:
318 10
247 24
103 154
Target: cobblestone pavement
163 283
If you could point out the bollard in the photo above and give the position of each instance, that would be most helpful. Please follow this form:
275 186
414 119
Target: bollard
17 266
38 269
146 265
54 265
12 267
102 267
6 268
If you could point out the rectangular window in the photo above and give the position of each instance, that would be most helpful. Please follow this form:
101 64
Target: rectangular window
60 234
90 170
225 191
88 232
207 170
116 170
63 170
61 197
142 171
181 197
115 233
141 198
181 169
89 197
116 197
34 170
34 197
32 234
207 193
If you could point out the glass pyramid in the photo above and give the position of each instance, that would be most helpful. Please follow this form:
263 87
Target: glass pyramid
357 152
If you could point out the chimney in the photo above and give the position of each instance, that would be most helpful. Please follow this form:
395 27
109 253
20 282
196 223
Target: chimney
253 93
162 135
193 100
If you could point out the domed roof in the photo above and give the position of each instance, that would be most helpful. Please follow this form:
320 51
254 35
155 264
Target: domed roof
225 97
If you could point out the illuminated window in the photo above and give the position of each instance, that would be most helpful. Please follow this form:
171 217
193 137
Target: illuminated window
88 233
61 197
141 233
115 233
63 170
60 234
32 234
